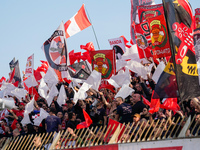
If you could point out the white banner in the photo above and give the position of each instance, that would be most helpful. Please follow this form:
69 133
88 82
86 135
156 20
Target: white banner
29 65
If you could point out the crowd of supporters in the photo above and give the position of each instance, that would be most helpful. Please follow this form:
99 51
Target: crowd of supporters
101 106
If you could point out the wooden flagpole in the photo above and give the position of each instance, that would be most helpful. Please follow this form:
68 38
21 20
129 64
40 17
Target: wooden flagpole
143 131
153 130
164 137
90 130
129 140
144 139
79 144
100 135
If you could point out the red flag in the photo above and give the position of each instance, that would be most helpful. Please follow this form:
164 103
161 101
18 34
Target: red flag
143 39
1 80
155 104
89 47
159 37
13 125
104 62
111 123
170 104
86 56
86 123
145 101
77 23
12 76
126 41
32 91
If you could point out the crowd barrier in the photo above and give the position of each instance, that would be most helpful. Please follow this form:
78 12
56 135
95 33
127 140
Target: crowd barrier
143 131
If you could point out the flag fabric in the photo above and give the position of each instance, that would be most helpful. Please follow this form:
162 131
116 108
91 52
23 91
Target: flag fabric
77 23
55 50
29 66
118 45
88 47
17 76
62 96
134 13
12 76
31 81
94 79
197 17
32 91
180 20
125 91
149 11
43 114
197 49
86 123
104 62
143 39
79 70
166 86
52 93
159 37
43 89
170 104
155 104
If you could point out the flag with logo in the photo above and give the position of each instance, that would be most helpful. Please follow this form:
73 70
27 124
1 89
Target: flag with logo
77 23
29 66
118 45
178 14
149 11
143 39
55 50
104 62
134 13
197 17
159 37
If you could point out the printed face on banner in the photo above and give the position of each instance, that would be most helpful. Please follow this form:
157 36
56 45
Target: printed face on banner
104 62
55 50
118 45
149 11
159 37
143 39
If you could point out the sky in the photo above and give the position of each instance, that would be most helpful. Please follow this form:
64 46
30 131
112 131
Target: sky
26 25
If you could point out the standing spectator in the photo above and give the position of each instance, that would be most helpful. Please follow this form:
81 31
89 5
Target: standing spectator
138 105
124 111
52 122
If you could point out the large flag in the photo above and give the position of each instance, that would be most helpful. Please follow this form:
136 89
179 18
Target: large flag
55 49
118 45
77 23
180 26
104 62
159 37
197 17
29 66
197 48
143 39
149 11
134 13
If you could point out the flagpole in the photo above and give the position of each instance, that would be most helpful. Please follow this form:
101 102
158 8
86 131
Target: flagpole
93 29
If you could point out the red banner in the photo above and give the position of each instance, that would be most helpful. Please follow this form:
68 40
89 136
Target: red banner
143 39
149 11
197 17
159 37
104 62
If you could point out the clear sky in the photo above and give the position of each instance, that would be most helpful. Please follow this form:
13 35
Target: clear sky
25 25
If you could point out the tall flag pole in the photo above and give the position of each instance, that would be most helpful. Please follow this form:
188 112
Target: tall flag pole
179 18
93 29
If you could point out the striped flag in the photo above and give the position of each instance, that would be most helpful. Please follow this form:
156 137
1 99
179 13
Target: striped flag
77 23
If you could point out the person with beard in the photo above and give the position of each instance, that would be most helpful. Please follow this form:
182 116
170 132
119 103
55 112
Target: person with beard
124 111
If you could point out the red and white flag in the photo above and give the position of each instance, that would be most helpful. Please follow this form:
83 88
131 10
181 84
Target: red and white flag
77 23
29 65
